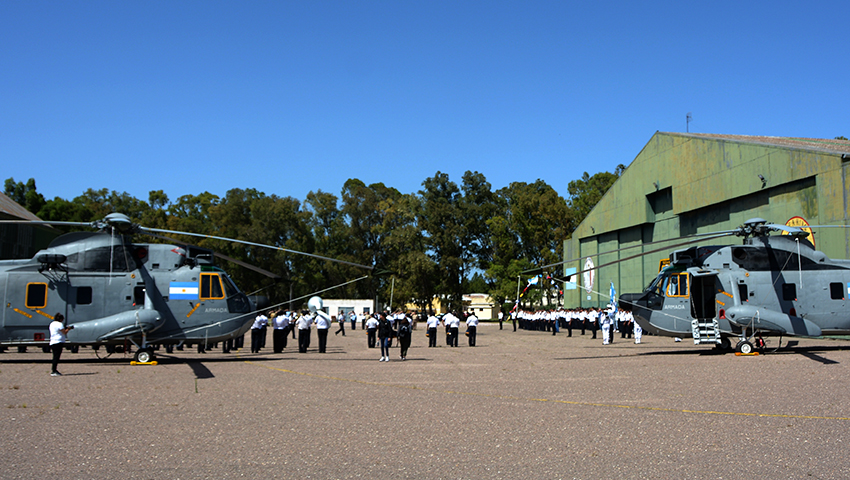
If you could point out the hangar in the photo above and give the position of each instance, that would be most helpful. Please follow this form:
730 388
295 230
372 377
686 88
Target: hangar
21 241
686 183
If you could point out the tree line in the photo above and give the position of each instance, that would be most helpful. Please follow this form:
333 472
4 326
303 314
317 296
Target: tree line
445 240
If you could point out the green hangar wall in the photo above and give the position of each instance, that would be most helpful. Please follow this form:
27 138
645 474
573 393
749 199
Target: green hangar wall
684 183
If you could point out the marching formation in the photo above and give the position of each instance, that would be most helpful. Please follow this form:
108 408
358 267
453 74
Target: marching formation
383 328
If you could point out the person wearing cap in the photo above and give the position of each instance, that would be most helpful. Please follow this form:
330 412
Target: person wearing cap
58 332
323 326
433 322
606 320
453 324
471 328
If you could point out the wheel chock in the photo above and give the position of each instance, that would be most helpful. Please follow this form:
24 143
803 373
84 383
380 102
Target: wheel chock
133 362
739 354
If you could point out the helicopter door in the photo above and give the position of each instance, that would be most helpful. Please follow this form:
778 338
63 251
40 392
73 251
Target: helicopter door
703 291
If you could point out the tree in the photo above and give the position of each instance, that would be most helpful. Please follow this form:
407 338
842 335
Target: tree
530 230
445 235
588 191
24 195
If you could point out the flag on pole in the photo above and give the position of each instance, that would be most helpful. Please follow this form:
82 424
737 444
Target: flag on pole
613 296
533 280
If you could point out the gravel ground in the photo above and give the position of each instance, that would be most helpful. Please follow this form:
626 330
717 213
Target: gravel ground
519 405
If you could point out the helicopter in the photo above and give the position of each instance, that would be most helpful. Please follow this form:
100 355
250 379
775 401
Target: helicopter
113 291
767 286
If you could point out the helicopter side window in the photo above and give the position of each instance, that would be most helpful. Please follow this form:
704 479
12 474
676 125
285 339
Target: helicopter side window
789 292
36 295
211 286
84 295
678 285
836 291
743 293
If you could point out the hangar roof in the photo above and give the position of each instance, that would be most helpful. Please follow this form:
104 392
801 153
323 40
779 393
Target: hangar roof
9 207
817 144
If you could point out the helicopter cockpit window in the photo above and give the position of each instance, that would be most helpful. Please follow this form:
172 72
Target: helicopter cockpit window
229 288
678 285
211 286
659 285
36 295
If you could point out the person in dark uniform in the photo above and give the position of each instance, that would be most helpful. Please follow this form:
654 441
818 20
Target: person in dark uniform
404 335
385 331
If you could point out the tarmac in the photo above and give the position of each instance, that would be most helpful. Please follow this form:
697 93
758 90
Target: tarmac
518 405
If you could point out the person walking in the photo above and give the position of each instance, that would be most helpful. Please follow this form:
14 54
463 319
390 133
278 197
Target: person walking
58 333
433 322
341 321
384 334
405 333
471 328
453 324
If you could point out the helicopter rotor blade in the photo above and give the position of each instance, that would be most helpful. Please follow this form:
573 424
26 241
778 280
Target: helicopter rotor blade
697 237
244 242
632 257
223 257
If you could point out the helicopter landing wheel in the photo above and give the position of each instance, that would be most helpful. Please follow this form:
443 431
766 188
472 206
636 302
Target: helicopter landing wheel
144 355
725 344
744 347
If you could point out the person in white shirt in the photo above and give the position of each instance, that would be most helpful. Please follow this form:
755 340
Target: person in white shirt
353 319
323 324
58 332
371 328
638 330
471 328
433 322
606 319
453 323
257 329
305 321
280 326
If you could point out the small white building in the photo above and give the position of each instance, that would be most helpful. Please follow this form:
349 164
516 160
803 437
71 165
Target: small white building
335 307
482 305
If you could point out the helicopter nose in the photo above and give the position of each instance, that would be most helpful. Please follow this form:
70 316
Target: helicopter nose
629 300
261 301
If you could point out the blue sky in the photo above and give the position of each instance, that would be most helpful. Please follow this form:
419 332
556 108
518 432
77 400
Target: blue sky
290 97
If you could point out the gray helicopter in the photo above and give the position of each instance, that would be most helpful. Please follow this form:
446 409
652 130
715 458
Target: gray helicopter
114 292
768 286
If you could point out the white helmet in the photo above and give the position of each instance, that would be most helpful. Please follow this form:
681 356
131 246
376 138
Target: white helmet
315 303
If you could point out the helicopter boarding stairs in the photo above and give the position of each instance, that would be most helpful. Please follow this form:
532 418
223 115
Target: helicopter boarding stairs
705 331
